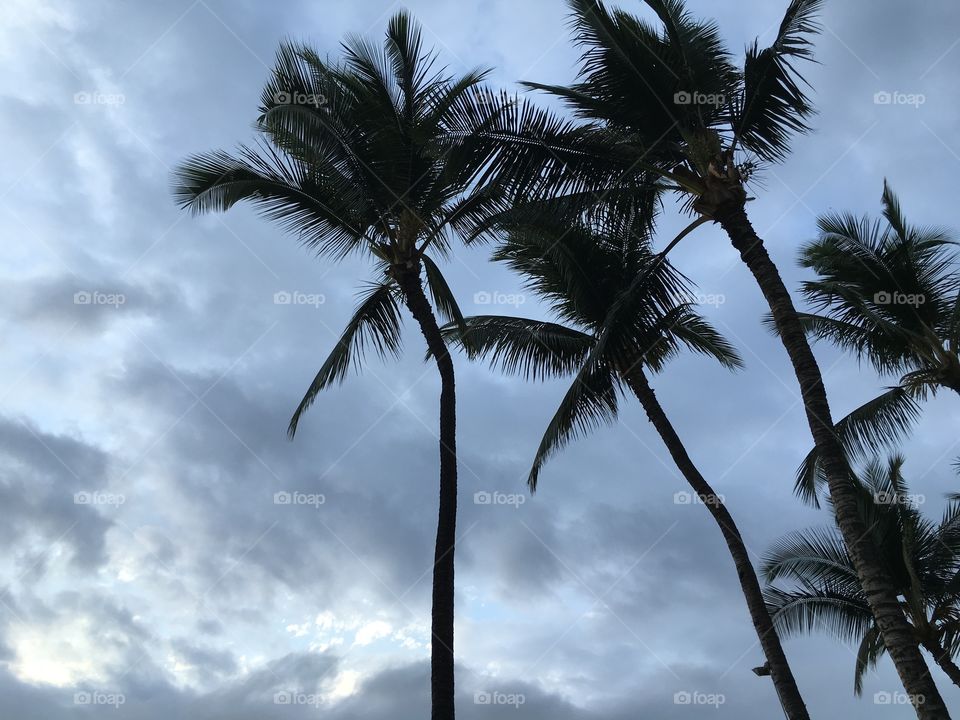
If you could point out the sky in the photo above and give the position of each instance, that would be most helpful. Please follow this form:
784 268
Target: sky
149 566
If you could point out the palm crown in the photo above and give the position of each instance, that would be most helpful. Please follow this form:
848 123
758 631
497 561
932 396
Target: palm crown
665 101
923 558
624 309
888 292
378 153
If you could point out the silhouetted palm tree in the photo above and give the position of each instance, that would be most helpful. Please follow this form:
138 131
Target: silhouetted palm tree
923 557
664 102
626 312
376 154
888 292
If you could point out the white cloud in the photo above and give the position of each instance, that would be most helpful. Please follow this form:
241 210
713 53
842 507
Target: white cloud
371 632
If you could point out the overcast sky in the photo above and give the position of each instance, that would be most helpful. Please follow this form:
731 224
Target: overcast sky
147 375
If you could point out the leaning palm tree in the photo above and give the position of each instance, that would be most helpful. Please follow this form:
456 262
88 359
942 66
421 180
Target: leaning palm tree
664 102
376 154
889 293
631 310
922 556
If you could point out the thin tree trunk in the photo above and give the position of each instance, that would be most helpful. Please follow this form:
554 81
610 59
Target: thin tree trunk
944 660
780 672
879 588
441 647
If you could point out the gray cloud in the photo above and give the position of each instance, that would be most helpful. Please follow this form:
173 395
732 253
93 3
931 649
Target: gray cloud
597 599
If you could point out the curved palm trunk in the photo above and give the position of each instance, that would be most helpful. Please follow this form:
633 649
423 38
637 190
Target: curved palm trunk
879 588
780 672
441 647
943 659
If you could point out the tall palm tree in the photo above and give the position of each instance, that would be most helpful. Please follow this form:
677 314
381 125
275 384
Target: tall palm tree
664 102
630 310
376 154
922 556
888 292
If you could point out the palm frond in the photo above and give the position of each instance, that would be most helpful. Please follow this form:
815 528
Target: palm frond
375 325
411 66
591 401
823 609
443 297
774 104
700 336
815 556
331 223
533 349
871 649
877 424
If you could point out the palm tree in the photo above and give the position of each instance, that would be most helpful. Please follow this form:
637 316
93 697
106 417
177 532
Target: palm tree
922 556
888 292
665 103
376 154
631 311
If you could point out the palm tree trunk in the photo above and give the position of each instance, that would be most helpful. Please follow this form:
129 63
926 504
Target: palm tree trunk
780 672
879 588
441 646
943 659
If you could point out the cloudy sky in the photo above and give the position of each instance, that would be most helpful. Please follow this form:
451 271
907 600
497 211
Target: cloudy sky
147 375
